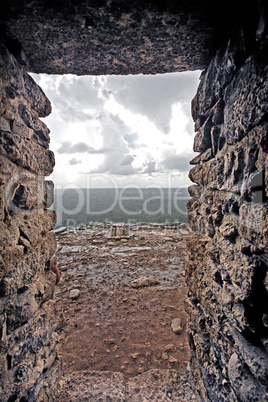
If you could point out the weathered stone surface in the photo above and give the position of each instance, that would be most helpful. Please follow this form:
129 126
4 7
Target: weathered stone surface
20 269
202 140
18 82
30 195
112 326
28 318
99 39
228 263
18 150
115 37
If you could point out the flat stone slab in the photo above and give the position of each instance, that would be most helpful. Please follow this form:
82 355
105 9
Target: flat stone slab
126 248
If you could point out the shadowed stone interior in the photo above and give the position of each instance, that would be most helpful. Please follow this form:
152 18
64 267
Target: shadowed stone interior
119 37
227 270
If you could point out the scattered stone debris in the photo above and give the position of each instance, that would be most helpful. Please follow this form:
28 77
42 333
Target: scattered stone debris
176 326
172 359
74 293
164 356
144 282
134 355
170 348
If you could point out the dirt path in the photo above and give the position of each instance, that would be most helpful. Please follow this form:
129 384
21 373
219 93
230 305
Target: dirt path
107 324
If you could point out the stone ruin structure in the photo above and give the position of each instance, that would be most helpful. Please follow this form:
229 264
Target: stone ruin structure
120 231
227 270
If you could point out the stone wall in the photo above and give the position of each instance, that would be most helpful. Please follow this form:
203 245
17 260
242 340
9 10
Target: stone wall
226 274
29 363
227 270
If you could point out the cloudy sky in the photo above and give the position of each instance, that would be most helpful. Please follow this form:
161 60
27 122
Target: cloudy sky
121 130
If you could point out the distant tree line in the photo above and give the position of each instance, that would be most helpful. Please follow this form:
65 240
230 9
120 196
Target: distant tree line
75 207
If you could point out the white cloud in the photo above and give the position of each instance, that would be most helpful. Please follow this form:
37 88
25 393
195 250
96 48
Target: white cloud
116 158
137 128
152 96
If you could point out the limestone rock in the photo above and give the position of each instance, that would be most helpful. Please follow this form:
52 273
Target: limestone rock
170 348
144 282
164 356
74 294
176 326
172 359
134 355
59 230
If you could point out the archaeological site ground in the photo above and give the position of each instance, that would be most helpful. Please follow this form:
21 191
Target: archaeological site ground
216 286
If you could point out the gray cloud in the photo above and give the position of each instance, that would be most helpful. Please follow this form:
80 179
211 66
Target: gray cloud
99 151
128 159
123 170
68 148
173 161
81 147
149 166
73 98
152 96
74 161
117 159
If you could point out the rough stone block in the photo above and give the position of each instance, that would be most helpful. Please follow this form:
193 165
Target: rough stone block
206 156
202 140
19 80
253 222
35 226
31 195
245 104
26 153
40 130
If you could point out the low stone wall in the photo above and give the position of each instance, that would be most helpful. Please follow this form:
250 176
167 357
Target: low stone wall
227 269
29 363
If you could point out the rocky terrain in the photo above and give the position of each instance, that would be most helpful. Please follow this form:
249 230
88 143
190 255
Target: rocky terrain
123 323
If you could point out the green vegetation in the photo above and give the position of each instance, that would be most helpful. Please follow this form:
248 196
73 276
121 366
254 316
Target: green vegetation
80 206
